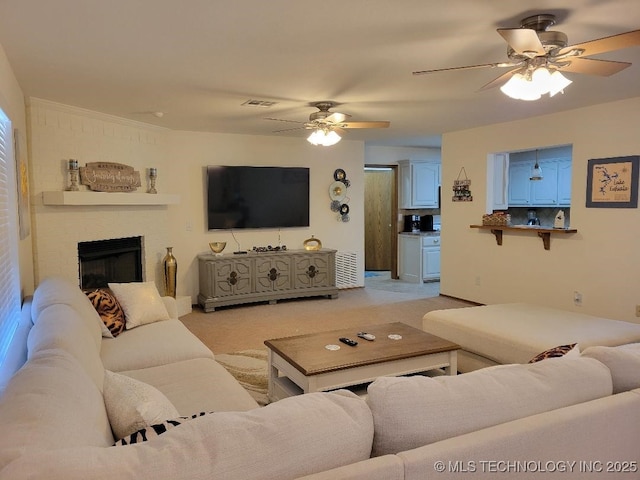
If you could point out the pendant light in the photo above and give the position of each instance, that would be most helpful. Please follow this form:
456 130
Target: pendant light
536 172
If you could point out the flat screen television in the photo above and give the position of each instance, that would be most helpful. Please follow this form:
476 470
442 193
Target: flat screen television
257 197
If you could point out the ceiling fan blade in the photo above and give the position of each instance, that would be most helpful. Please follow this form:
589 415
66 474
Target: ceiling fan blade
501 80
337 117
468 67
605 44
282 120
591 66
523 40
364 125
289 129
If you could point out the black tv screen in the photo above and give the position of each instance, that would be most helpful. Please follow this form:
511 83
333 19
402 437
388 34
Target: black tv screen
257 197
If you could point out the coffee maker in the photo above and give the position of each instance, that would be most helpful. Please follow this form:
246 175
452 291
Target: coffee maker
412 223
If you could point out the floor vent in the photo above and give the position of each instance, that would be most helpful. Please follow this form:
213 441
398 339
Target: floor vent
346 270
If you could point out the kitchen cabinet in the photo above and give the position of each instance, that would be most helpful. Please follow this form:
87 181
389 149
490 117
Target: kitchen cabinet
419 257
553 190
419 184
430 258
519 184
564 182
545 191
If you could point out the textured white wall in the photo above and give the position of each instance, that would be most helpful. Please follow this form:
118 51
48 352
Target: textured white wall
60 132
602 260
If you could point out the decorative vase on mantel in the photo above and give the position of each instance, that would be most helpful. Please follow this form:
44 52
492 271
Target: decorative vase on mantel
170 271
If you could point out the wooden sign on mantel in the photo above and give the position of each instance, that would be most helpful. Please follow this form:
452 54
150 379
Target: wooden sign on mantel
109 177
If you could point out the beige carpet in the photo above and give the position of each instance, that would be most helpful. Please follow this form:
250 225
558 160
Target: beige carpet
236 334
244 327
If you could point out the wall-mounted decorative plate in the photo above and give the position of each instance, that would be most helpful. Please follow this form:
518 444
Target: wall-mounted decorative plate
339 175
337 191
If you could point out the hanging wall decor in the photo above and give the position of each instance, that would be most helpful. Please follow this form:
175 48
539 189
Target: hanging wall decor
613 182
338 195
461 190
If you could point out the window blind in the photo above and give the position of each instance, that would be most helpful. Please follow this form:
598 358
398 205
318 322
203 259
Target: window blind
9 269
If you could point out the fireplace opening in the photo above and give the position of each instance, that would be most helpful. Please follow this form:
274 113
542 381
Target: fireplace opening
116 260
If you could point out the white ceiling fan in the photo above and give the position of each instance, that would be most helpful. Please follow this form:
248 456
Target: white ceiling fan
327 126
537 57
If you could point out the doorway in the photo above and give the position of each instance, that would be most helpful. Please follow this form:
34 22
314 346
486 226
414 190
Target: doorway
380 213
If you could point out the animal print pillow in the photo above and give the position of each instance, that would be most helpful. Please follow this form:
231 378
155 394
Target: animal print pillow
561 351
155 430
108 308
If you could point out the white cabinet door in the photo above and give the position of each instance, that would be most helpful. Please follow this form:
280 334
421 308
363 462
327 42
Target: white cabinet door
409 264
498 166
519 184
564 182
425 179
545 192
404 185
430 258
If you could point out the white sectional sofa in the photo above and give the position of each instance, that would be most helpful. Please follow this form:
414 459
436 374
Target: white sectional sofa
515 332
58 414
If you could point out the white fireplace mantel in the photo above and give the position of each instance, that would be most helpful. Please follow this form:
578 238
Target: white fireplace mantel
108 198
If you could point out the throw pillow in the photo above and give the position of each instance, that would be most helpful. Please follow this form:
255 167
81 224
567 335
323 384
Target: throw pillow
109 310
570 350
132 405
155 430
141 303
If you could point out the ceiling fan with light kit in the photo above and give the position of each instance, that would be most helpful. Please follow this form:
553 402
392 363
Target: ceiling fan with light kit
327 127
538 57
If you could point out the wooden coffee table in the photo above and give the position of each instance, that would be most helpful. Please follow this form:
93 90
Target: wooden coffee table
302 364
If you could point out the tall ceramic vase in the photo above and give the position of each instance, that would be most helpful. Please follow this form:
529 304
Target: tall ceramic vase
170 271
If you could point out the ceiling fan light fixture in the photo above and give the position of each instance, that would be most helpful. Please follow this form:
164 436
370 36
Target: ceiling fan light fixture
557 83
531 87
520 88
323 137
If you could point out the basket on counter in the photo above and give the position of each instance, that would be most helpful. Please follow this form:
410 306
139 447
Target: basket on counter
496 219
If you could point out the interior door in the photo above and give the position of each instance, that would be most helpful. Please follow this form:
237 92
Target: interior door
380 210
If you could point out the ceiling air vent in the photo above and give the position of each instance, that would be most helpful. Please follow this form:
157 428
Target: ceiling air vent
259 103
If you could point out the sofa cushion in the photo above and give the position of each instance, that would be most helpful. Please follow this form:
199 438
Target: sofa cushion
54 291
155 430
412 411
516 332
132 405
62 327
141 303
108 308
566 351
199 384
596 439
623 362
287 439
153 344
51 403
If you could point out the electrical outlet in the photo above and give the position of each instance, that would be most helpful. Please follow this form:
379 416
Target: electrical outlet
577 298
188 226
478 281
637 310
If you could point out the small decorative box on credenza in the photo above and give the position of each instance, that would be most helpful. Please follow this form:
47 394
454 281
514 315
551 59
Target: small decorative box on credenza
265 276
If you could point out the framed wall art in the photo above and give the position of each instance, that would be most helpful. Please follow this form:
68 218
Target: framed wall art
613 182
22 178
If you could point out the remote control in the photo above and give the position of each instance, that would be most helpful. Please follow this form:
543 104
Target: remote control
367 336
348 341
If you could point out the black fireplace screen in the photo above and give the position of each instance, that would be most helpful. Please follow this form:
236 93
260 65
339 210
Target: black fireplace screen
116 260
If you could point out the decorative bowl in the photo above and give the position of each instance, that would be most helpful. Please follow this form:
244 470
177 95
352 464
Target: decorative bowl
217 247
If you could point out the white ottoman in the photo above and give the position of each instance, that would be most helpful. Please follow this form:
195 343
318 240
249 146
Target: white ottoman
517 332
